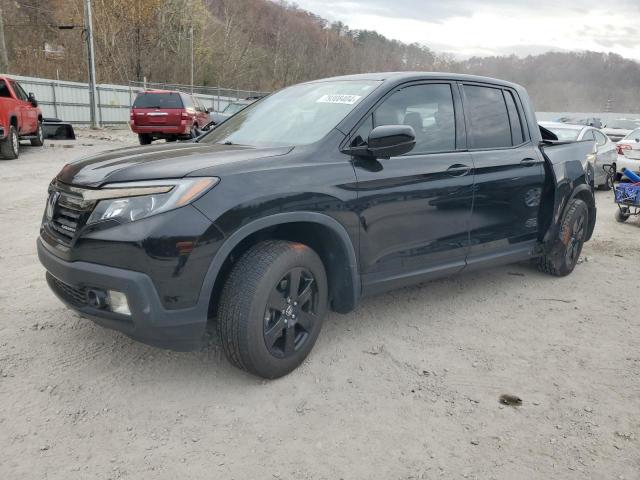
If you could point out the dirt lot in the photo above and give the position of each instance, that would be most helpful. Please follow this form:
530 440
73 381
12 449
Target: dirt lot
406 387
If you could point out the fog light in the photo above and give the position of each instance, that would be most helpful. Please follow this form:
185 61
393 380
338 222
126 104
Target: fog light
118 302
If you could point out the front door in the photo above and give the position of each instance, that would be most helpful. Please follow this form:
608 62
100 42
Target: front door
415 209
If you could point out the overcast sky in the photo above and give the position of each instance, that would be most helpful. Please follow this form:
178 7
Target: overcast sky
494 27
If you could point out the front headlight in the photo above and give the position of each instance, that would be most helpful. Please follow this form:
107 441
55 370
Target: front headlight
127 202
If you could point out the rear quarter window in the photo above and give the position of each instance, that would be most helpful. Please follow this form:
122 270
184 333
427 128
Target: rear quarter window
487 116
158 100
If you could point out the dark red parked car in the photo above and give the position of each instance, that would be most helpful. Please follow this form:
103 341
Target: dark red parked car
167 114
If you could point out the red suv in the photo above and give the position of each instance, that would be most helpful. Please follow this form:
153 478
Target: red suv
20 119
167 114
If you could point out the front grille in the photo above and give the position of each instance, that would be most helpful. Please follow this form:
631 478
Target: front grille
76 296
67 213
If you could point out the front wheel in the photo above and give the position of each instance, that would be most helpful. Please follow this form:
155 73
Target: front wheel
10 146
564 251
272 307
39 140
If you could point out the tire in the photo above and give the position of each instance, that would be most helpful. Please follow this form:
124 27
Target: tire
39 140
622 215
144 138
563 254
10 146
265 327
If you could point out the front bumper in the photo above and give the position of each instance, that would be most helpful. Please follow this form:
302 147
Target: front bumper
150 322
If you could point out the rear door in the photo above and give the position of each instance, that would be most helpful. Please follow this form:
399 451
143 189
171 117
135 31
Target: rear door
509 173
159 109
415 209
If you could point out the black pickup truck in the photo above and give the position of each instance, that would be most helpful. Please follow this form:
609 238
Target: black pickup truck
308 200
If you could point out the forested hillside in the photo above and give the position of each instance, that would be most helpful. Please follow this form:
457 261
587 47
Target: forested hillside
264 45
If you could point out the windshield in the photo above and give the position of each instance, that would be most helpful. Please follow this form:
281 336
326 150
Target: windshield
565 134
633 135
624 124
158 100
234 108
297 115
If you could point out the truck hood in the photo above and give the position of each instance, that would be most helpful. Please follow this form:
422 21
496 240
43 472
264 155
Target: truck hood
175 160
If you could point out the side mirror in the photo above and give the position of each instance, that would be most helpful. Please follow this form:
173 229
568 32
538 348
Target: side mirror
386 141
32 99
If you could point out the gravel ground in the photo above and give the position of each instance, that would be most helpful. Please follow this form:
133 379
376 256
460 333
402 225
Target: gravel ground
406 387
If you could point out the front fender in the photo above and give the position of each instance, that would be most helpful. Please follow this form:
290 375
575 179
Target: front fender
280 219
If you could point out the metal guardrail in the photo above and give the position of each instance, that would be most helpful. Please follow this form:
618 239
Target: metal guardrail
69 101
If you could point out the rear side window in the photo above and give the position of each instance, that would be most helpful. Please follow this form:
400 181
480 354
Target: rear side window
187 101
158 100
600 138
588 135
517 133
488 117
20 93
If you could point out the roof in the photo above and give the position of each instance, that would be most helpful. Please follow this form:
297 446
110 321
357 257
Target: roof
401 77
160 91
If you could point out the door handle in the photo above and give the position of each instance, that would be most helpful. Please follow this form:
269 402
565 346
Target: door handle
528 162
458 170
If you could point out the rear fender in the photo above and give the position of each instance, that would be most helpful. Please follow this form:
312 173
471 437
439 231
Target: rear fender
569 174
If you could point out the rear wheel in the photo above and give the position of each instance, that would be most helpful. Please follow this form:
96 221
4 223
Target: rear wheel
10 146
39 140
144 138
563 254
272 307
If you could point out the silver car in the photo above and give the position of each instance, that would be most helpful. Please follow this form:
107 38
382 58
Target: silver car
616 130
604 150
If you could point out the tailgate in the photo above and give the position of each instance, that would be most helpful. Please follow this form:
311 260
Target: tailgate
160 117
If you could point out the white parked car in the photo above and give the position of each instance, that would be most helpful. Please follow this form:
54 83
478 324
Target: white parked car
616 130
629 153
604 149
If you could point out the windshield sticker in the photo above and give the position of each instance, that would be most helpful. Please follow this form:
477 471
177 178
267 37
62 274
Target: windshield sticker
344 99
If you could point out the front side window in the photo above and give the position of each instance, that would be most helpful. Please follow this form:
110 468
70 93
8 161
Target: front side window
488 118
426 108
4 90
298 115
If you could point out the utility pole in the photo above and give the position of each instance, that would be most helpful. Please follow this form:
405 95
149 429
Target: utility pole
93 92
4 59
192 59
